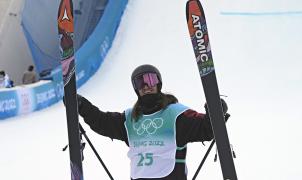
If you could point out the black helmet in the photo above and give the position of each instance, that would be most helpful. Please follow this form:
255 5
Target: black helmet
146 68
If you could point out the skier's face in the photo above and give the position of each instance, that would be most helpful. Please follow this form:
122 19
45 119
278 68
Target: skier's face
147 90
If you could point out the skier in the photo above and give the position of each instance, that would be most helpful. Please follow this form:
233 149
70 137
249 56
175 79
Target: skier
156 129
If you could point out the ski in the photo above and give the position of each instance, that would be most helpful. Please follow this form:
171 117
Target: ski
66 32
197 26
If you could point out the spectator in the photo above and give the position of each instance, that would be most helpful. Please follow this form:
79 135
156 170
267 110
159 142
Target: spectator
5 82
29 76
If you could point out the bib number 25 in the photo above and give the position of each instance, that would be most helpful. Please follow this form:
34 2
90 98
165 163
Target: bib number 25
145 159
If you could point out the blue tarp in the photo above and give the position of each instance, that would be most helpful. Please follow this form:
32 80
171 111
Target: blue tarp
39 22
89 57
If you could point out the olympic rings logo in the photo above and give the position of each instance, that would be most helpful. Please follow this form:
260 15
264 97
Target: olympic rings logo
148 126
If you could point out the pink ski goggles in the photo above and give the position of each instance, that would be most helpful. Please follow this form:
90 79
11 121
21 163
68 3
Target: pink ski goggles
149 79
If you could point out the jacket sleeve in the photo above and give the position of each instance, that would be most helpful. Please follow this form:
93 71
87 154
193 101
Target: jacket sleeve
192 126
110 124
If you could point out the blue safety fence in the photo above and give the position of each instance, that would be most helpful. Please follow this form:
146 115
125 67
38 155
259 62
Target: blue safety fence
25 99
89 57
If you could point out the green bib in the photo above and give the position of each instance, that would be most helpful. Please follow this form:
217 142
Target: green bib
152 142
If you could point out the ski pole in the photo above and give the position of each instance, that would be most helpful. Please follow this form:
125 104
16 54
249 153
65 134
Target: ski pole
204 159
95 152
208 151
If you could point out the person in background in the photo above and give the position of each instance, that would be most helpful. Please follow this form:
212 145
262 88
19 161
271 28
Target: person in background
29 76
156 129
5 82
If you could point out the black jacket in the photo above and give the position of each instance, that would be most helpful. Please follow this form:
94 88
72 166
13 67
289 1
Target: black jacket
191 126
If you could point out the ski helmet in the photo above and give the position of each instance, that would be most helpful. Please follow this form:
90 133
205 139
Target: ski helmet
146 68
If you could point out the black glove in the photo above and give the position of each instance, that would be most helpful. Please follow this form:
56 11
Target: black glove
79 99
224 107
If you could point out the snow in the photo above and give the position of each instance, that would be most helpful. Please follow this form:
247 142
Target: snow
257 61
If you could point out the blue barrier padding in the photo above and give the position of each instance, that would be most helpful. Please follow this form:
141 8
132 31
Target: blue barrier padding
8 104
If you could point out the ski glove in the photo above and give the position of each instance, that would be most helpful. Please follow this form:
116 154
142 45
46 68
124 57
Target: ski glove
79 98
224 107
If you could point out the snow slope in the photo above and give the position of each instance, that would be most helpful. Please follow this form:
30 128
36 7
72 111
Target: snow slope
4 4
257 59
